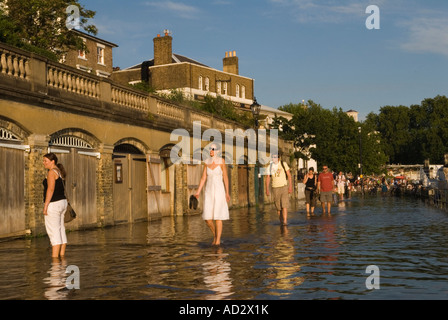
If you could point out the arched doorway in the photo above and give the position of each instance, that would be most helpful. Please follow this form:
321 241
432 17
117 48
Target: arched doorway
76 151
129 191
12 179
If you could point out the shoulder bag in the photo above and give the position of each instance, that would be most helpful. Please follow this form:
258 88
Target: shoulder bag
70 213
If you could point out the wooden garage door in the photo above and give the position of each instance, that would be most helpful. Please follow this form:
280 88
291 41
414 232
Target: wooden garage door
80 184
243 185
12 190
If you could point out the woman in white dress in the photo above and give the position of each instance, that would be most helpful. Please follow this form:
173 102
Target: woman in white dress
216 194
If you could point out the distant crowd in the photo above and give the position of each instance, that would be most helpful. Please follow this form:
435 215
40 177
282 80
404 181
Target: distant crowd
346 183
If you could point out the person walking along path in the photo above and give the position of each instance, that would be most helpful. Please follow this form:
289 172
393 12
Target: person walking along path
325 185
216 194
310 182
281 186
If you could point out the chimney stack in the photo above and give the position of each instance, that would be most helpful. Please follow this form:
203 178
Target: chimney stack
230 63
163 49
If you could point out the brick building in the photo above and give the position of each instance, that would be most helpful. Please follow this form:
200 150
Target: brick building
96 58
168 71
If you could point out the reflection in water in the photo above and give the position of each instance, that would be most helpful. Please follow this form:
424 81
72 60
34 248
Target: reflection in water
55 287
316 257
285 275
217 276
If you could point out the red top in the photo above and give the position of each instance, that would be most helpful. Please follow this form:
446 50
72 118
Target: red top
326 181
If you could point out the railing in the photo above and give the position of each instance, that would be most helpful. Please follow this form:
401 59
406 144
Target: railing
58 76
170 111
14 64
130 99
40 75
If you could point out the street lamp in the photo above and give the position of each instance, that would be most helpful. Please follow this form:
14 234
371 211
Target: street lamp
255 108
360 160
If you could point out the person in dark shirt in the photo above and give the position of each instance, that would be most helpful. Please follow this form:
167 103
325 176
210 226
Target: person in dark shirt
55 204
310 182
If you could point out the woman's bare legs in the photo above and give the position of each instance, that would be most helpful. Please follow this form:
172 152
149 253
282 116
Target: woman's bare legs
216 229
218 232
211 225
58 250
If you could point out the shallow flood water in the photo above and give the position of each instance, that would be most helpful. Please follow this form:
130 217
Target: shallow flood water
320 257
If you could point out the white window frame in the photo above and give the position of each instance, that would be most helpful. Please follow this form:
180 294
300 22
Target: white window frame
82 53
218 87
207 84
237 91
100 52
200 83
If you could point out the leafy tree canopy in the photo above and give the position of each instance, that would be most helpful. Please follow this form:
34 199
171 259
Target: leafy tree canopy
40 25
331 137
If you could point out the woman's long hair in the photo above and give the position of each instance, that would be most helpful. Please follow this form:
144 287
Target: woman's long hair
52 157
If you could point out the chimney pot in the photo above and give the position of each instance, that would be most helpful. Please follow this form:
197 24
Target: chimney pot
230 62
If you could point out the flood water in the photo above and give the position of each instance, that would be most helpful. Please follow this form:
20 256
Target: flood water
319 257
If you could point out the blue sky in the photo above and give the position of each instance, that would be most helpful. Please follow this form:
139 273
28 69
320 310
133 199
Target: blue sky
297 49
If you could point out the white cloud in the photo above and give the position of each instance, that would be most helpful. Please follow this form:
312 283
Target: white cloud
426 34
180 9
323 11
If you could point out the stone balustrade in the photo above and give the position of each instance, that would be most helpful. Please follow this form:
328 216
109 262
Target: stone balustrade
14 64
171 111
49 78
58 76
126 97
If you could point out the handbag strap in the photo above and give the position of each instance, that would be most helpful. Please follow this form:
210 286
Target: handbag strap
63 183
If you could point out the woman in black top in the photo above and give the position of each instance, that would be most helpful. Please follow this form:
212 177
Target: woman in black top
310 182
55 204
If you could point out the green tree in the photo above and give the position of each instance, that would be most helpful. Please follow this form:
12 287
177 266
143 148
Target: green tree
410 135
429 127
393 124
332 138
41 24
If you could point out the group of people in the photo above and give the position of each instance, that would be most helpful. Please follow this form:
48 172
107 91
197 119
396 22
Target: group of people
322 186
216 191
215 183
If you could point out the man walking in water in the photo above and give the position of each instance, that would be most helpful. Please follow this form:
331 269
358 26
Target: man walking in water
281 178
325 184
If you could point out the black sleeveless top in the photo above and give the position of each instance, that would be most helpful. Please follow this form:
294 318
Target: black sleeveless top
311 182
58 193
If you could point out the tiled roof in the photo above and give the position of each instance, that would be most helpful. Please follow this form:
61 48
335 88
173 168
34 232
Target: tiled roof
176 58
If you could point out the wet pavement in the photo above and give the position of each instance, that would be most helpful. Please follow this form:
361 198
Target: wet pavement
319 257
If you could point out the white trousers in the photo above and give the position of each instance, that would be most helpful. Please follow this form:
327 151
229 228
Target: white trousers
54 222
